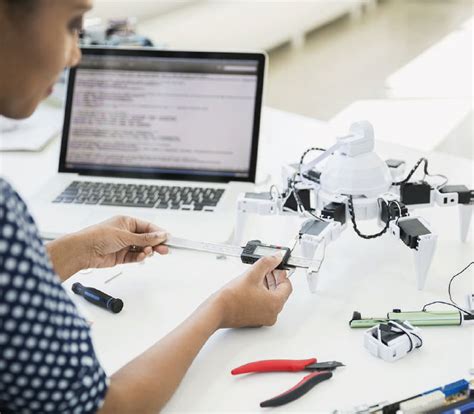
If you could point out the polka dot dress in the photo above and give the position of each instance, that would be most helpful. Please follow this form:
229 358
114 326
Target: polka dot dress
47 362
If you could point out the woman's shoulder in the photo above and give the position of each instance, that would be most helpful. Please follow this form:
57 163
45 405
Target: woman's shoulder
12 207
8 196
5 186
17 226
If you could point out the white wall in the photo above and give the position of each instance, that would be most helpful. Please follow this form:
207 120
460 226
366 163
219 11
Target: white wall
141 9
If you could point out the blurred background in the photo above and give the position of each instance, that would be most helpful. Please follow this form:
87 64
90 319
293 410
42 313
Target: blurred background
405 65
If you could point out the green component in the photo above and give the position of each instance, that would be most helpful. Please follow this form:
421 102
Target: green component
366 323
428 318
415 318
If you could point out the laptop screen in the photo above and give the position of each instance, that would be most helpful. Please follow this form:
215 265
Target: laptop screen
163 114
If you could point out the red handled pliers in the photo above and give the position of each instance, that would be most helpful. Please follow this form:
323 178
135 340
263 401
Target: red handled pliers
323 372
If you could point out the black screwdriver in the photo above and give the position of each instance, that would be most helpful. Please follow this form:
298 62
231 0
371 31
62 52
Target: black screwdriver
98 298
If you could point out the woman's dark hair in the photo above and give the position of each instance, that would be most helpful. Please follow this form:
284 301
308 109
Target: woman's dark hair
21 5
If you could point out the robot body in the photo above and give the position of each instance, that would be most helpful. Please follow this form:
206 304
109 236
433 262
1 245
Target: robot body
348 183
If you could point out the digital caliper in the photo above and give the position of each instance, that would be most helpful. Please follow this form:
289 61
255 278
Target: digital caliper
249 254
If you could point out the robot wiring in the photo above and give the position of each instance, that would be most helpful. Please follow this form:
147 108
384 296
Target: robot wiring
350 205
451 302
425 172
306 153
298 174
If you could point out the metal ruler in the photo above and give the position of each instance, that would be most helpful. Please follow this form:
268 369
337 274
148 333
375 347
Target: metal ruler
233 251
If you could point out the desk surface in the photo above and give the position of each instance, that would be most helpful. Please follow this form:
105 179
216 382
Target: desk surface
369 276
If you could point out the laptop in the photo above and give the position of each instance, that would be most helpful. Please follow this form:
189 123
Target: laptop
166 136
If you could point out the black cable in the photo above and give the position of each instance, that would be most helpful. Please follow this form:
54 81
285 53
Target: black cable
451 281
306 153
401 327
442 302
419 339
299 203
404 331
425 171
389 204
453 303
356 229
415 167
292 184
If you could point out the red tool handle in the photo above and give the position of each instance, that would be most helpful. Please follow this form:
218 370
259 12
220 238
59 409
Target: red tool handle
272 365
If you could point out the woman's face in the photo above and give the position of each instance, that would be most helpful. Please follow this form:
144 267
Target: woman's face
36 44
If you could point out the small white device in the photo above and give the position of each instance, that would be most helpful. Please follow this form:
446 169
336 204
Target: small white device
392 340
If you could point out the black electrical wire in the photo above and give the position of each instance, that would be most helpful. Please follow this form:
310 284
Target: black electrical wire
404 332
350 205
413 170
292 183
306 153
425 171
451 281
419 339
297 197
452 303
442 302
299 203
401 328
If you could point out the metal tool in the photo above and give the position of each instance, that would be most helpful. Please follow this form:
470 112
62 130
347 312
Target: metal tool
321 371
250 253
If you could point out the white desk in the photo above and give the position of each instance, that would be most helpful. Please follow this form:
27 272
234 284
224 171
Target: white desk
370 276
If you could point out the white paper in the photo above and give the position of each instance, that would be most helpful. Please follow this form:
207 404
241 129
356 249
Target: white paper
33 133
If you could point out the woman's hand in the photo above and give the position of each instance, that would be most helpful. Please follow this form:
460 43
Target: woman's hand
147 383
255 298
121 240
118 240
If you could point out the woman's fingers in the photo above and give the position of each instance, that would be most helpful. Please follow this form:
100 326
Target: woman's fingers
271 282
133 257
142 240
161 249
280 275
139 254
149 250
136 225
284 288
264 265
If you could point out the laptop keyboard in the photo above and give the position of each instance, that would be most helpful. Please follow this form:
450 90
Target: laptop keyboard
147 196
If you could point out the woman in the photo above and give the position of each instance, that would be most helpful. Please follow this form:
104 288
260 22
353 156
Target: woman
47 361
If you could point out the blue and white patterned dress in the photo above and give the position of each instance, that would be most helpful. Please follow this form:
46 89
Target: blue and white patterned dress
47 361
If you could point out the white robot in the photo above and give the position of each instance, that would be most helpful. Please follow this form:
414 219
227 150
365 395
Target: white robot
350 182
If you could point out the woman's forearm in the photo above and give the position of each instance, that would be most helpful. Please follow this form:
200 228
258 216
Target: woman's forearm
66 255
145 384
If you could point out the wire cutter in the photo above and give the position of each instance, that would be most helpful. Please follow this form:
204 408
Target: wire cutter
322 373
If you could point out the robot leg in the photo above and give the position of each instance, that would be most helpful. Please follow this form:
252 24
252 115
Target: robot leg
416 234
314 235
